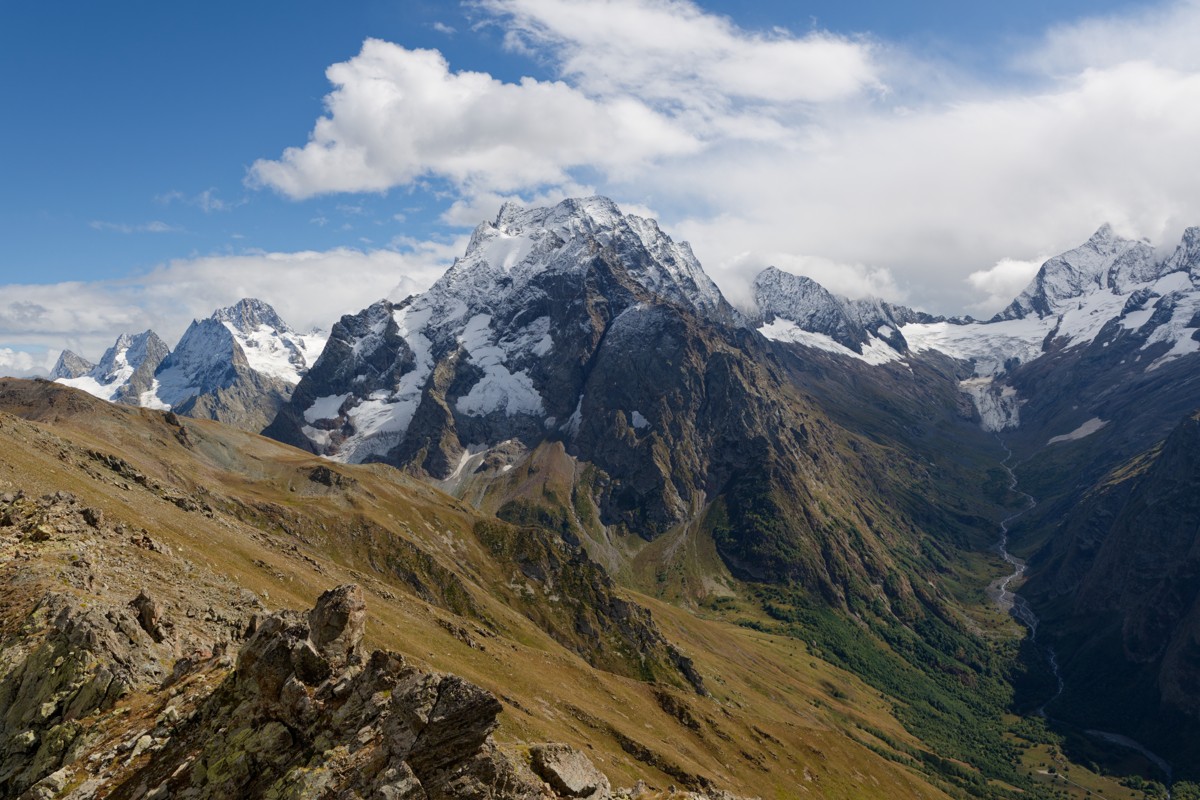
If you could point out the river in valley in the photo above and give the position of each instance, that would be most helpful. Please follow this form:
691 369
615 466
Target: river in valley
1019 607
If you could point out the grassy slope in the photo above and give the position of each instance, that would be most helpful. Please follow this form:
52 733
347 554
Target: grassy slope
779 723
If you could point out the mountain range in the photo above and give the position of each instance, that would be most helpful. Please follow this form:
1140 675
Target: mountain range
829 471
238 366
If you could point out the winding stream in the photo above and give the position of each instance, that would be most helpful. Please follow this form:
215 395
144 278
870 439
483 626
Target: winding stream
1019 607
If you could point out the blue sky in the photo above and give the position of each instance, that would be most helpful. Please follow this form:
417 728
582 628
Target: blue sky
932 152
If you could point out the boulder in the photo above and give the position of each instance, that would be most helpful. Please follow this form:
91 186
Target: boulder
569 772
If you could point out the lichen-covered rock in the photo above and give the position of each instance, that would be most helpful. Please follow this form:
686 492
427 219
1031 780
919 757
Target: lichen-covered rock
72 662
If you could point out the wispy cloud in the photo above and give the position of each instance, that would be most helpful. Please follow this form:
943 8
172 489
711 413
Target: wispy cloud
207 201
154 226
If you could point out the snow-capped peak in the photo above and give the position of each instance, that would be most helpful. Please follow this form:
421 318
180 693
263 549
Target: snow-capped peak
248 315
70 365
1106 261
268 343
510 325
1186 255
798 309
247 333
124 371
128 353
504 255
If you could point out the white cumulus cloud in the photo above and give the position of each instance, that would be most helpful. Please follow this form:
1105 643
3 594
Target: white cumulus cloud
396 115
870 166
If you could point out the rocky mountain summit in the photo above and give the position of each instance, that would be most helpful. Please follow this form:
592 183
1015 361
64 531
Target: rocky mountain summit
499 346
70 365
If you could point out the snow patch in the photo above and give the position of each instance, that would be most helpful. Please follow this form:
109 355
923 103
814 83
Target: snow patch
1136 319
172 386
1086 429
325 407
149 398
498 389
505 252
571 426
105 391
638 421
280 354
1183 346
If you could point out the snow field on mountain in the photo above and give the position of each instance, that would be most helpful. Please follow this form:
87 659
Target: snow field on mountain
499 389
875 352
284 355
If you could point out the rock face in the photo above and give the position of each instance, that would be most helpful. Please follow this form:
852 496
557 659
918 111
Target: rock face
70 365
85 662
125 373
306 713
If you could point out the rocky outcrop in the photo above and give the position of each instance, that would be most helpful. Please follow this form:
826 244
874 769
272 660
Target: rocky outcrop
307 713
568 771
70 662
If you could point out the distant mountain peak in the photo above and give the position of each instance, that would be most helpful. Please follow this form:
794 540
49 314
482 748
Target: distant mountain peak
505 255
130 352
857 325
1103 234
125 372
249 314
244 344
1105 262
70 365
